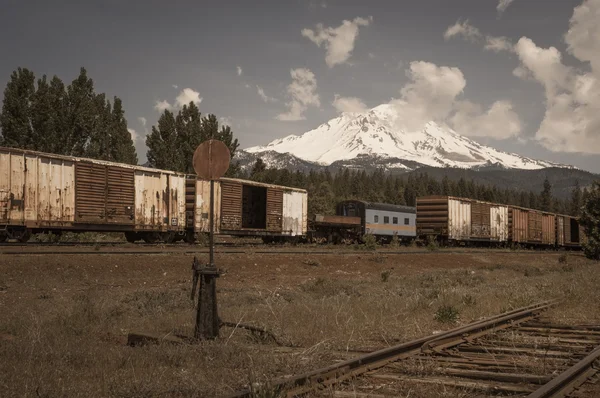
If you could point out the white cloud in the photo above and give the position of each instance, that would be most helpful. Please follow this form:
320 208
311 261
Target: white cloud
339 42
239 71
464 29
432 94
162 106
497 44
371 55
572 118
429 95
473 34
583 37
348 104
134 135
186 96
247 85
143 121
503 5
263 95
499 122
225 121
175 86
302 92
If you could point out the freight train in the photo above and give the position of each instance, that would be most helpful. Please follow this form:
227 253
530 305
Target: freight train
42 192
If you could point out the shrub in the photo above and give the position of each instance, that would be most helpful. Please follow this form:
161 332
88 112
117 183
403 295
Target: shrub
385 275
432 243
563 259
370 241
395 242
446 314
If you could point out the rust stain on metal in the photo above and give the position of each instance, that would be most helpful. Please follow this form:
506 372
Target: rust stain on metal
211 159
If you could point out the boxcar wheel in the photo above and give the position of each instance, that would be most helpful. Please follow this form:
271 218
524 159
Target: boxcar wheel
168 237
131 237
3 237
190 238
151 237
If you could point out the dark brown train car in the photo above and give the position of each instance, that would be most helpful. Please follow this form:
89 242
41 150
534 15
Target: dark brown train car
569 232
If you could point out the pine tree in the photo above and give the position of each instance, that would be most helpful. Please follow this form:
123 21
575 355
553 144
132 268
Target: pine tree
82 114
590 220
546 196
575 208
258 168
15 120
162 144
122 145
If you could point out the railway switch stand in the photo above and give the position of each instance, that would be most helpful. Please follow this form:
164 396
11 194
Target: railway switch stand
207 318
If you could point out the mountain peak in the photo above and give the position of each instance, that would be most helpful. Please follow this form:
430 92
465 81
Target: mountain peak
376 133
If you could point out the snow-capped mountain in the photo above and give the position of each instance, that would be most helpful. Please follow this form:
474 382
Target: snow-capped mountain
375 135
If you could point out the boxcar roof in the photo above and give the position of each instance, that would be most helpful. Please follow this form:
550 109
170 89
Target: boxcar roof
385 206
130 166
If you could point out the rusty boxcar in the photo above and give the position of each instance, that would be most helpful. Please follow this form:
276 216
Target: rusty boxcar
249 208
533 227
45 192
461 220
42 192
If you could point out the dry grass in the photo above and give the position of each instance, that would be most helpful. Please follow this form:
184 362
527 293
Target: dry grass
71 341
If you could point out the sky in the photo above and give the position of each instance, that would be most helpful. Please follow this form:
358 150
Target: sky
519 75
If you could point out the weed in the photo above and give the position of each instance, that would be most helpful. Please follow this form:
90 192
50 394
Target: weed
563 258
385 275
395 242
446 314
312 262
370 242
432 244
469 300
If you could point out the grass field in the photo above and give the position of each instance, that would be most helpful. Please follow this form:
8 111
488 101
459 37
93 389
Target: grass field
65 319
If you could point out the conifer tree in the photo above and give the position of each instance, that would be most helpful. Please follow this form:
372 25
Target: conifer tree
546 196
15 119
590 220
575 200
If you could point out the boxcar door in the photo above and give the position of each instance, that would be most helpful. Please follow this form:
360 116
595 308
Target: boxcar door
231 205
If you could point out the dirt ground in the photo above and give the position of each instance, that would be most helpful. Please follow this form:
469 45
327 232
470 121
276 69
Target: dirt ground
65 317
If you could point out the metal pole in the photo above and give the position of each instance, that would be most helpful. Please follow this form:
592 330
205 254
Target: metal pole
211 241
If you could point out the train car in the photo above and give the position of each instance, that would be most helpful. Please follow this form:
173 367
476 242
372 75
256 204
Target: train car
381 219
455 220
41 192
569 232
249 208
531 227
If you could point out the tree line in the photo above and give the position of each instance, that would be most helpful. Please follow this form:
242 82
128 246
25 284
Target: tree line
326 189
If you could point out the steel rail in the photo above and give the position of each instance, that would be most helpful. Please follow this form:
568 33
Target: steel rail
262 250
316 379
570 379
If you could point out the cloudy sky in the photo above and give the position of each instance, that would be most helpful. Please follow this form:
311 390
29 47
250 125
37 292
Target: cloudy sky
520 75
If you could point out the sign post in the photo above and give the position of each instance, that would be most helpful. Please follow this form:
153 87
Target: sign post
211 161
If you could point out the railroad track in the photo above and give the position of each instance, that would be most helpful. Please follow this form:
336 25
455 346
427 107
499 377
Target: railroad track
230 249
517 354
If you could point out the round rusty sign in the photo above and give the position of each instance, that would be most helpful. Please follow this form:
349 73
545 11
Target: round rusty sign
211 159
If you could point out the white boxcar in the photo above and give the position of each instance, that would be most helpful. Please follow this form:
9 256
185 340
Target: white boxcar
461 219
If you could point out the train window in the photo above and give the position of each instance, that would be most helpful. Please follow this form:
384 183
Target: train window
386 220
376 219
395 220
406 221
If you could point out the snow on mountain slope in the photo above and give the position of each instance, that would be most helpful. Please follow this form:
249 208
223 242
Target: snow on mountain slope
375 132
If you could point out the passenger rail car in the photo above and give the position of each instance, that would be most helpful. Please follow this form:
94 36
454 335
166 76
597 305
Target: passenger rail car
356 218
42 192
